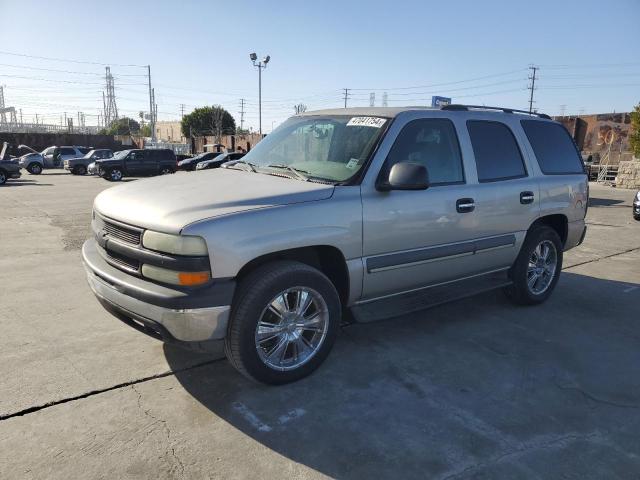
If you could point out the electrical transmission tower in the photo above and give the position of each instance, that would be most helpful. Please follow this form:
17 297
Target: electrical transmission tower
109 99
384 99
532 85
372 99
4 110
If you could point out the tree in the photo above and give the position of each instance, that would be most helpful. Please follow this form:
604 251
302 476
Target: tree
213 120
145 130
634 134
123 126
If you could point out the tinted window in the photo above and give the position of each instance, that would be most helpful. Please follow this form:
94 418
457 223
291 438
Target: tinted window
67 151
434 144
136 155
497 154
553 146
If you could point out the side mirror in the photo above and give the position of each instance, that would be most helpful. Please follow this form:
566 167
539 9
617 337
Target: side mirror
406 176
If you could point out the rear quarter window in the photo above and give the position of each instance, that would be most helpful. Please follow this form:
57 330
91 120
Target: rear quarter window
553 147
496 151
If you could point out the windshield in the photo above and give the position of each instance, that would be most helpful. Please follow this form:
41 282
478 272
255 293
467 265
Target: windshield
327 148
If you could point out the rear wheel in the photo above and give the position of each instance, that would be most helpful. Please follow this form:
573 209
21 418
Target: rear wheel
537 268
34 169
165 171
3 177
284 322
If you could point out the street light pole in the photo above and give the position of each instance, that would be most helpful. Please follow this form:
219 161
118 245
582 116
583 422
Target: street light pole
260 65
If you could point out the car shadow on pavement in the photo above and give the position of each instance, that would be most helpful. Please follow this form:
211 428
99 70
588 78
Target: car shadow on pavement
26 183
479 387
603 202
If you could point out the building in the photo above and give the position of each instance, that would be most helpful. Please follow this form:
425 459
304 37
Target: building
605 136
170 131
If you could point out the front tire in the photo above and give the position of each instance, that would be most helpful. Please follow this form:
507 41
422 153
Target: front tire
284 321
80 170
114 175
3 177
537 268
34 169
166 171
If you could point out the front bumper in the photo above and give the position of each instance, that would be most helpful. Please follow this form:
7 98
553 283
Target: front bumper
636 209
174 315
14 175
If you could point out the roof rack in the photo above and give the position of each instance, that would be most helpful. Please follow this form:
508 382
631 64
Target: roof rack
459 107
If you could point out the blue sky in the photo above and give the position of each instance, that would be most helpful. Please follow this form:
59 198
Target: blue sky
476 52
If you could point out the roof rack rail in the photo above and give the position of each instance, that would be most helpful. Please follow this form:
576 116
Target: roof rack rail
459 107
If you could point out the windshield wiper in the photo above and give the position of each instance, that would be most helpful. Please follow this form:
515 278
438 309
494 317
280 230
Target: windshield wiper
296 171
251 166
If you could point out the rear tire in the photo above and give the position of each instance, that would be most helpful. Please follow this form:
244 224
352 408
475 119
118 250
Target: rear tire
166 171
34 169
537 268
3 177
272 337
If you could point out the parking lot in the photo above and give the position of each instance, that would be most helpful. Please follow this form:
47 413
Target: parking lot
474 389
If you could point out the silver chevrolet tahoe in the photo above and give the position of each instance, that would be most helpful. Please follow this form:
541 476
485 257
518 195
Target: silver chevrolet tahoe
339 214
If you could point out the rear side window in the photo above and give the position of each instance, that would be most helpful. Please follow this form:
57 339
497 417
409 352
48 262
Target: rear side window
497 153
553 146
67 151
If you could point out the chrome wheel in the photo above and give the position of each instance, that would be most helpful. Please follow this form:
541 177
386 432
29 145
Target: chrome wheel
543 262
292 328
165 171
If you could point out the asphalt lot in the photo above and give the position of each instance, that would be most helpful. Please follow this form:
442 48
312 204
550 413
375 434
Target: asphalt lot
473 389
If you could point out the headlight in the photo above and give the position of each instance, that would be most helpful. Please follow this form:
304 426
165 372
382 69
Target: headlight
638 197
177 244
165 275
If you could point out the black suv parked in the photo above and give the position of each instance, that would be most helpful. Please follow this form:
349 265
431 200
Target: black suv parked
137 163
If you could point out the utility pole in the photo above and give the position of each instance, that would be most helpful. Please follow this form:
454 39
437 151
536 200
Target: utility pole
241 112
346 96
181 111
151 108
20 116
532 87
563 109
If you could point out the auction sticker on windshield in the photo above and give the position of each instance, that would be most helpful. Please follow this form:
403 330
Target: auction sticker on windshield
374 122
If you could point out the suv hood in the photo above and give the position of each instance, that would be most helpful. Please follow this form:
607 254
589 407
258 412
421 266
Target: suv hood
168 203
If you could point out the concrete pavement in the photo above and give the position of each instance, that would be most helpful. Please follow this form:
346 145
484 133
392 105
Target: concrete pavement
473 389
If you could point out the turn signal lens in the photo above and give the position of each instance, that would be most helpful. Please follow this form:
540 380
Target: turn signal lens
193 278
187 279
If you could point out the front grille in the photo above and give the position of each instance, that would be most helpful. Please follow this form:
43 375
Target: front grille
125 262
121 233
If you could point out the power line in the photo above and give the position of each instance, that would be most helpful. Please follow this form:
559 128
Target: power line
69 60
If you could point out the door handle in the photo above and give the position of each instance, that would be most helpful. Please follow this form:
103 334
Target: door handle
465 205
526 197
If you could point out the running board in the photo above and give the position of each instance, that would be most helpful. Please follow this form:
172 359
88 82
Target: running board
428 297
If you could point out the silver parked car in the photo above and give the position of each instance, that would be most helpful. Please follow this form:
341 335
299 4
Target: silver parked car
50 157
80 166
340 209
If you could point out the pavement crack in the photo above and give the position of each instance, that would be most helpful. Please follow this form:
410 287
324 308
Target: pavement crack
522 450
601 258
595 399
170 451
37 408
